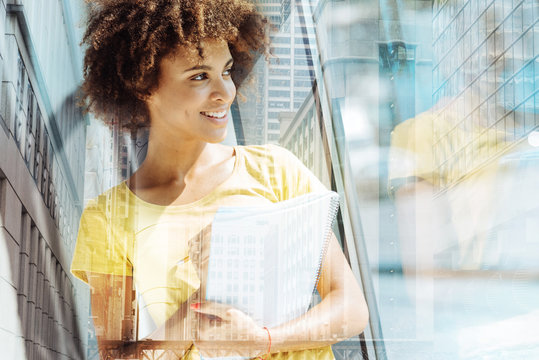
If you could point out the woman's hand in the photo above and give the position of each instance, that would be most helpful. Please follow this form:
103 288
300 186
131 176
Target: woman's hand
226 331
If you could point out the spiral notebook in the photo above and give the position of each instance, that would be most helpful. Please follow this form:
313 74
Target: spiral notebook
266 260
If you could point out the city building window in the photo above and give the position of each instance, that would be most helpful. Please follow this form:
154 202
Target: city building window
279 104
278 82
303 83
279 72
301 94
301 51
19 105
280 50
303 62
275 19
279 61
273 115
301 41
302 72
279 93
280 40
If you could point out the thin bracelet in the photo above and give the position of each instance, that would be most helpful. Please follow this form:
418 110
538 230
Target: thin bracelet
269 346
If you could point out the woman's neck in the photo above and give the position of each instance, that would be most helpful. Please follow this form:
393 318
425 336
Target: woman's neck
170 159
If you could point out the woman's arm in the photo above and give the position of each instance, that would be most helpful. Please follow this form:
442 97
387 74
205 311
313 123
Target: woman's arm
341 314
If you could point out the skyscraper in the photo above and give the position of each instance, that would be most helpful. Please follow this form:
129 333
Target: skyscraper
284 82
484 63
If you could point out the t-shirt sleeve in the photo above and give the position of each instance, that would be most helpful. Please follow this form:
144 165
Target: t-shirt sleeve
102 246
292 178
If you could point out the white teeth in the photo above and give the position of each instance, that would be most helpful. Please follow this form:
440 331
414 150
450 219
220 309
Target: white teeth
215 114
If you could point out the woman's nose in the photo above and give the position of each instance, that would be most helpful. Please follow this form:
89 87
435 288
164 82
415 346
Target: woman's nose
224 90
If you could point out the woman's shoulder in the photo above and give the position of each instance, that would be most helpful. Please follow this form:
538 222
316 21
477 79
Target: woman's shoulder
268 153
113 197
279 169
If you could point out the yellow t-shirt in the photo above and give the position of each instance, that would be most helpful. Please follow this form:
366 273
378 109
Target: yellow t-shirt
121 234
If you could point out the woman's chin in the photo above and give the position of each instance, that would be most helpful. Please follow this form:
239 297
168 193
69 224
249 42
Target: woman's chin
217 138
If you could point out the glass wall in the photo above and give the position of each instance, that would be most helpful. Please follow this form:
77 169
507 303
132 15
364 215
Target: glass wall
423 116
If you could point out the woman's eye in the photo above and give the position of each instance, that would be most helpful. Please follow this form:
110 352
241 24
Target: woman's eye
228 72
200 77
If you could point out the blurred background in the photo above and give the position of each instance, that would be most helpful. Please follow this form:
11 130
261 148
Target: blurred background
421 114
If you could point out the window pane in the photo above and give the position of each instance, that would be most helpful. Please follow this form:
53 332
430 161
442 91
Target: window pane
441 131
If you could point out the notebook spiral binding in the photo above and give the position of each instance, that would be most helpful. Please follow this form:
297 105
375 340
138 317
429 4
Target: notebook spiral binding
332 213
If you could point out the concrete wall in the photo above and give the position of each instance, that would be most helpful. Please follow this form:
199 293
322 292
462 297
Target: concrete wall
43 309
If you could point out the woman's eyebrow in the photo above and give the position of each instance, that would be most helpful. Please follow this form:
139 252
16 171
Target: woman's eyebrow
207 67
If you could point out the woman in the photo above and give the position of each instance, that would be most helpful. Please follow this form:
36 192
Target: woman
173 65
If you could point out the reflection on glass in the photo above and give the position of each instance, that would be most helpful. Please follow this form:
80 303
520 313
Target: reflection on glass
440 122
438 102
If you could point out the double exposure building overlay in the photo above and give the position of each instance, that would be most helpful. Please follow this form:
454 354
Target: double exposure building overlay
473 63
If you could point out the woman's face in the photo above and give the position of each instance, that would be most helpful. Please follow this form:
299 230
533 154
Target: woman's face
194 95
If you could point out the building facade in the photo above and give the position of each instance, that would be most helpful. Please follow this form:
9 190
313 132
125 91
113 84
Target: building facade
290 71
486 63
42 157
284 80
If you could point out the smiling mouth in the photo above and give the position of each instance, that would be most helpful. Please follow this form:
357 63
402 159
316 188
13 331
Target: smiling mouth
215 115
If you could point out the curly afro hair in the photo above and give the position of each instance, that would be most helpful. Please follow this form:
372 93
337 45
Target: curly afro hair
127 39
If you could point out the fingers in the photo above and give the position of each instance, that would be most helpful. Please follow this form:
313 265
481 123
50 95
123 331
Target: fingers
212 310
219 322
210 321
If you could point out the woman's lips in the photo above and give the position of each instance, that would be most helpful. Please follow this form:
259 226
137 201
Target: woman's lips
215 114
218 118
